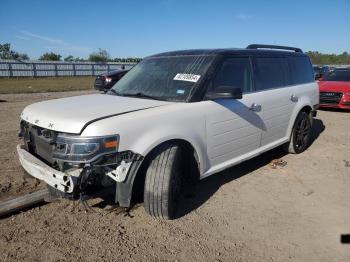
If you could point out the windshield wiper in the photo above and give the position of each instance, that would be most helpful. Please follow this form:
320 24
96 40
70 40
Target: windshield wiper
142 95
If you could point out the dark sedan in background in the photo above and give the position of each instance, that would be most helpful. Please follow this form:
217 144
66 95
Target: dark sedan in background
320 71
105 81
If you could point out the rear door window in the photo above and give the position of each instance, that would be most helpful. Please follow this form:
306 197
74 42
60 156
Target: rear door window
236 73
301 70
271 73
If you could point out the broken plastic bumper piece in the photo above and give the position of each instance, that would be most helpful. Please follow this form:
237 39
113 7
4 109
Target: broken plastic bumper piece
38 169
120 173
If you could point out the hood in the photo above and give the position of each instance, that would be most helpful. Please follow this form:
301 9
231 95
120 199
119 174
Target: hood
334 86
72 114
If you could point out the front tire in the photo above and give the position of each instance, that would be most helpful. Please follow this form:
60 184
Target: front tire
301 133
163 181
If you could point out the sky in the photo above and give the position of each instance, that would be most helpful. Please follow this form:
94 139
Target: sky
137 28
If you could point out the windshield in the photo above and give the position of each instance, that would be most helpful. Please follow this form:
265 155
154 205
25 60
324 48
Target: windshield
324 70
338 75
171 78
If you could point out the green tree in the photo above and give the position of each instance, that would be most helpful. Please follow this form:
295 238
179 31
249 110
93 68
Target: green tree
7 53
23 57
324 59
100 56
129 59
50 57
69 58
79 59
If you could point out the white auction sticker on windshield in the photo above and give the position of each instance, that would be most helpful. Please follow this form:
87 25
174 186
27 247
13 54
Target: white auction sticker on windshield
187 77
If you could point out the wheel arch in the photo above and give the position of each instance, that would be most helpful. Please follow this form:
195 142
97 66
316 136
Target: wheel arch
304 107
190 157
132 190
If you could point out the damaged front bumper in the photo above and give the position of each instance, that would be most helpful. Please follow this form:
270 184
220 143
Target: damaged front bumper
64 182
78 166
74 180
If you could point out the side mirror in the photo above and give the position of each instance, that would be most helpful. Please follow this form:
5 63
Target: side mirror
225 92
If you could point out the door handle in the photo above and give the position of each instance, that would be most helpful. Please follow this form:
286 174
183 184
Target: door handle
255 107
294 98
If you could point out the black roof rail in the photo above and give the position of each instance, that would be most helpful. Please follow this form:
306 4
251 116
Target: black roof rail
257 46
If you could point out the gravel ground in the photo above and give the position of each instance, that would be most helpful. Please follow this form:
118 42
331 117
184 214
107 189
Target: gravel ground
251 212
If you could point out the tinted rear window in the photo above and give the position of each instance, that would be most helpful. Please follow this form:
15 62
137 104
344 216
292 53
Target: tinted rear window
301 70
338 75
271 73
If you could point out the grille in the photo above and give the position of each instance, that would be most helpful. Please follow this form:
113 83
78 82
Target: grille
330 97
39 141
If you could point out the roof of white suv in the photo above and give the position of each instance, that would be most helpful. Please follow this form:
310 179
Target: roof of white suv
265 50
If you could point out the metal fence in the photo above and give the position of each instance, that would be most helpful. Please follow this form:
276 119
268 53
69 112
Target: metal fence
14 68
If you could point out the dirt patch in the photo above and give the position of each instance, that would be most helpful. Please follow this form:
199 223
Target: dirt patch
260 210
45 84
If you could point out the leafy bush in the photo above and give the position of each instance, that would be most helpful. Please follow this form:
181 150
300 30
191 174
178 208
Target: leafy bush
100 56
50 57
329 59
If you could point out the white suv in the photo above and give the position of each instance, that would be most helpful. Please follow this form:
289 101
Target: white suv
174 117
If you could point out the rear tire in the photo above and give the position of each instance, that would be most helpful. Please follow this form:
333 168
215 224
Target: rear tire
301 133
163 181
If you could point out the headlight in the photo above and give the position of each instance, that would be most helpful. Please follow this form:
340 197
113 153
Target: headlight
82 150
108 79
